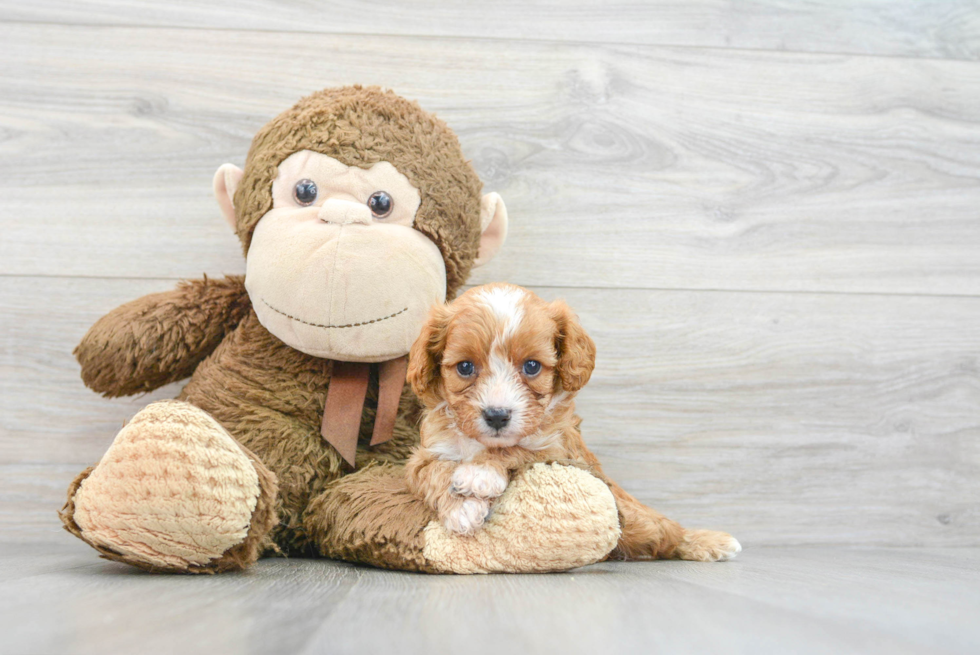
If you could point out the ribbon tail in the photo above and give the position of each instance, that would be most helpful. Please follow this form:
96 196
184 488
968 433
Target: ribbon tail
345 403
391 381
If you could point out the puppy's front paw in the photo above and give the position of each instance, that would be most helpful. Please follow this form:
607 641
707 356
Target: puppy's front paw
467 517
478 481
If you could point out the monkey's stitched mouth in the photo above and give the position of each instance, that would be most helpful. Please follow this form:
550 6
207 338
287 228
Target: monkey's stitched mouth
319 325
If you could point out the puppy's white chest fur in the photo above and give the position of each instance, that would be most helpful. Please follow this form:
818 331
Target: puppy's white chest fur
541 440
456 448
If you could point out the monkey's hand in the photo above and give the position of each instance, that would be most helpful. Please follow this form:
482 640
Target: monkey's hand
160 338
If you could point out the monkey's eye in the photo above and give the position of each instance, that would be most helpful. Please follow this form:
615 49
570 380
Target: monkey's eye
532 367
465 369
305 192
380 204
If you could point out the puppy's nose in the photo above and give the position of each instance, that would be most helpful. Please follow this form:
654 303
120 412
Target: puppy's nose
496 417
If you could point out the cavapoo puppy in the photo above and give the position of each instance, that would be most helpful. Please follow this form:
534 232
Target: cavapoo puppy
497 371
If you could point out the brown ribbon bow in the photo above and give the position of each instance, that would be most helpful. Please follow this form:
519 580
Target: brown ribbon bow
345 402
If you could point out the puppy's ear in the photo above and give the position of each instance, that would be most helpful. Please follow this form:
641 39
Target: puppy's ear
425 357
576 350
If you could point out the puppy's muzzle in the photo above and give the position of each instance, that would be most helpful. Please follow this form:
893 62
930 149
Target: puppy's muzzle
496 417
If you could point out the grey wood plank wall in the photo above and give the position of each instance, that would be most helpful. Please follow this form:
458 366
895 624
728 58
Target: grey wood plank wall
948 29
767 215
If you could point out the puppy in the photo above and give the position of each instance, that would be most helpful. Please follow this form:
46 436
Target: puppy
497 371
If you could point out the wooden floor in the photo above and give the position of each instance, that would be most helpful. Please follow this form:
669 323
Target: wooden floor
57 598
767 215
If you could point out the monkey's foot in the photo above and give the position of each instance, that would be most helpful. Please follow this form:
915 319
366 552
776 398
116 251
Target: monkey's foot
174 492
550 518
707 546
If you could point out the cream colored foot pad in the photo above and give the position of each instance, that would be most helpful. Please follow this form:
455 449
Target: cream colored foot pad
551 518
173 489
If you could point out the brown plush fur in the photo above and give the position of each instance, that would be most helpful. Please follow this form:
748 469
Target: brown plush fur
160 338
372 517
270 397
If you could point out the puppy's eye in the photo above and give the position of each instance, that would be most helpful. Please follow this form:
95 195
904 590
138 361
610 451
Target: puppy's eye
380 204
532 367
305 192
465 369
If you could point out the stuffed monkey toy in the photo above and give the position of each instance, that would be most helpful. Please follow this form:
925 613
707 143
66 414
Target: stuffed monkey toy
357 212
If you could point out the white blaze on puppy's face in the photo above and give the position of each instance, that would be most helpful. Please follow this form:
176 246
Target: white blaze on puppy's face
501 389
502 386
335 269
506 303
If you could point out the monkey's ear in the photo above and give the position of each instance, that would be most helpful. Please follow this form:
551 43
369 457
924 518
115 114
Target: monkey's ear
425 357
225 182
576 350
493 227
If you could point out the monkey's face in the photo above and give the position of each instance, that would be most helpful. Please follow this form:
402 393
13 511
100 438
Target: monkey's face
335 269
358 211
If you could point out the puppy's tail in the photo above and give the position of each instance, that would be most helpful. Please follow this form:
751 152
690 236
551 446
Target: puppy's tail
707 546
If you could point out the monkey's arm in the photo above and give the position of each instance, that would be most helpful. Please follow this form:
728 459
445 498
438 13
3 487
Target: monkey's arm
160 338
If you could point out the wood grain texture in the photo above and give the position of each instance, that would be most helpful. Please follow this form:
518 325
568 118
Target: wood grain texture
783 418
622 166
949 29
60 598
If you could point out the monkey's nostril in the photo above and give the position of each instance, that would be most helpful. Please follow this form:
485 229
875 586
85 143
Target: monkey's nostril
496 417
